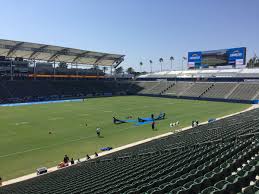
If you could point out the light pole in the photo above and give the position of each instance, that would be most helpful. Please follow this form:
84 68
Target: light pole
34 69
11 69
54 70
183 59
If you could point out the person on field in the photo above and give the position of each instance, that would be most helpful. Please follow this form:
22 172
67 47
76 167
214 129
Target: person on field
66 159
88 157
72 161
163 116
153 125
95 153
197 123
98 131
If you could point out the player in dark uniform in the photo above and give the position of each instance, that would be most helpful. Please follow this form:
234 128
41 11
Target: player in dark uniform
153 125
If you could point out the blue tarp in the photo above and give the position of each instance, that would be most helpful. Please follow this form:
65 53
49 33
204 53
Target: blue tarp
147 119
140 121
143 123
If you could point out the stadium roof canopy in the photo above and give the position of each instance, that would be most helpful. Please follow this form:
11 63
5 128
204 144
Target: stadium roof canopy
50 53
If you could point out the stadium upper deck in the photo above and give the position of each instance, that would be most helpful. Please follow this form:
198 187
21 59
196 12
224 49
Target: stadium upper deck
34 60
51 53
206 73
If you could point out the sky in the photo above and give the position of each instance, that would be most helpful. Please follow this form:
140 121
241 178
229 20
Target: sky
142 30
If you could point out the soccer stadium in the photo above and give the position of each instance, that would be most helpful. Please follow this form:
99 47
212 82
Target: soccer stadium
74 122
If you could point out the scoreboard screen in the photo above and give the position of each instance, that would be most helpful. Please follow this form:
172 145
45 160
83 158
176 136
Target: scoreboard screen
223 57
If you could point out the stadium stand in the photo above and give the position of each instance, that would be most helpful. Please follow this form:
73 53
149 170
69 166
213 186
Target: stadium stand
147 86
178 88
219 90
154 87
218 157
197 89
39 90
160 87
245 91
205 73
4 93
203 90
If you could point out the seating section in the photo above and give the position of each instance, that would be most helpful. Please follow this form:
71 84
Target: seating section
151 87
226 90
218 157
178 88
245 91
35 90
4 93
161 87
197 89
147 86
219 90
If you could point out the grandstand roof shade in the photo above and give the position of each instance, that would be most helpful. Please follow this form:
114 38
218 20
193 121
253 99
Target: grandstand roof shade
50 53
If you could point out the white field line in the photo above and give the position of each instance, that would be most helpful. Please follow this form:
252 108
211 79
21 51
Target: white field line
84 114
32 175
55 118
22 123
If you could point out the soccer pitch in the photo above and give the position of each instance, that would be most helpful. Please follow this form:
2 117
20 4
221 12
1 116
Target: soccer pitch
25 142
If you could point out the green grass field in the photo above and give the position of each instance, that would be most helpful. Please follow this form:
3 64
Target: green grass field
25 143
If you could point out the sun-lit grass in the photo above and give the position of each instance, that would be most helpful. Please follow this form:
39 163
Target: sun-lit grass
25 142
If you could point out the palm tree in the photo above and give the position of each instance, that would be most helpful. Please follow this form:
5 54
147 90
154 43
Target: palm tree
150 61
161 60
171 59
140 64
130 70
